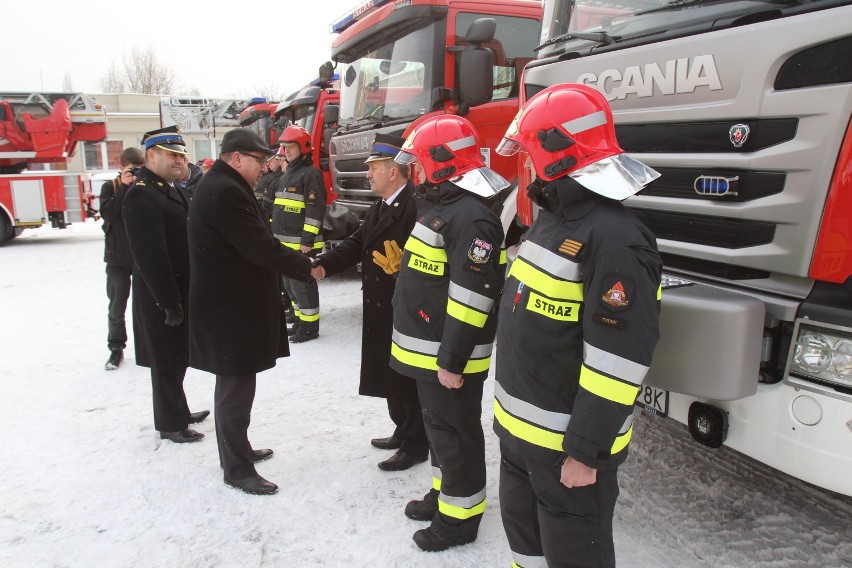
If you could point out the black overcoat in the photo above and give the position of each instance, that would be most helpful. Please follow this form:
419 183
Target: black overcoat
154 216
235 291
377 378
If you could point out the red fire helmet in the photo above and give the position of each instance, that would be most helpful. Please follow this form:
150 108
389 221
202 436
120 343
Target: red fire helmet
447 147
568 129
296 135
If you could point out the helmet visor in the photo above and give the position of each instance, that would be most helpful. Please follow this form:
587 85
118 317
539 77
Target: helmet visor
508 147
481 181
404 157
617 177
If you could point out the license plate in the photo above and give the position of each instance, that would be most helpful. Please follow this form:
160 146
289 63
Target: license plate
654 400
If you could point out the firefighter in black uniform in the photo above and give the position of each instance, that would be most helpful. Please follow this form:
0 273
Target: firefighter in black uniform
297 217
265 190
450 275
579 320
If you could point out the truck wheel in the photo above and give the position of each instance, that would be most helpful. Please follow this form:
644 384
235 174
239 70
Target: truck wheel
7 231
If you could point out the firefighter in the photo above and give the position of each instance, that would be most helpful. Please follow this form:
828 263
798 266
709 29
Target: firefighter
579 319
443 326
297 216
265 190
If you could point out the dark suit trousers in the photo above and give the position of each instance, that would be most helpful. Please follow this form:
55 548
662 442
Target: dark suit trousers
408 417
233 399
171 412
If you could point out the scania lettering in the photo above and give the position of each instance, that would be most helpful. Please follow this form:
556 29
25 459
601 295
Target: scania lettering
745 108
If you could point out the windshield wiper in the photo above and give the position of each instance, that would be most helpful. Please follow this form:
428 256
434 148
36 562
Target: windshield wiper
673 5
600 37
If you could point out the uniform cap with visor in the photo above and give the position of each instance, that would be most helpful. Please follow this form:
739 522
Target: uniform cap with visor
447 147
568 130
167 138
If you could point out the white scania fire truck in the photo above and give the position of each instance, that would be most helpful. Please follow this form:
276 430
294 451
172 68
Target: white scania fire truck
744 107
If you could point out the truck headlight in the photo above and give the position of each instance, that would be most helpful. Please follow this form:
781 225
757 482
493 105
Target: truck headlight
823 354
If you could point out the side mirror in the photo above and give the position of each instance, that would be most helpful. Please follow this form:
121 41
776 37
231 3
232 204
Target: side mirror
326 71
481 31
330 114
476 76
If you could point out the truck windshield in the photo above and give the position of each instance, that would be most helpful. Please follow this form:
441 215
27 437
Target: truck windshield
581 25
302 115
391 82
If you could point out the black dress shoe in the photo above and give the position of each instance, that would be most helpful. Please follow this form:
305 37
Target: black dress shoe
390 443
196 417
423 509
116 356
183 436
256 456
255 485
435 539
402 460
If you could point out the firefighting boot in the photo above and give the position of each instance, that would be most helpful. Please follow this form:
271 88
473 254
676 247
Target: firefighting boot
116 356
424 509
441 536
293 329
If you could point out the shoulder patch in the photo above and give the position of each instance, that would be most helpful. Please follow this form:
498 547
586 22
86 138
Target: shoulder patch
140 183
570 248
480 251
292 189
616 293
312 195
436 224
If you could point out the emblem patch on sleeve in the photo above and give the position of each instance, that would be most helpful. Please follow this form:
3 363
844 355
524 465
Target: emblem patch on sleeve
617 293
312 196
480 251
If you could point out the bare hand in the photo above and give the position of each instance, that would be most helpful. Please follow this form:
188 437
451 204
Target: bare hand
577 474
450 380
317 272
306 249
127 178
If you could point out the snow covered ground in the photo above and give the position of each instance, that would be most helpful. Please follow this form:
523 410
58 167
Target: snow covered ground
85 481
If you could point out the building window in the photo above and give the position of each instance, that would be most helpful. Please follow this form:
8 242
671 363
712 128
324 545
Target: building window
114 148
92 156
102 155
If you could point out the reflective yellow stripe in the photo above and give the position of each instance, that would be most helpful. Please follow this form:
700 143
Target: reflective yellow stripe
294 246
545 283
503 256
310 229
527 432
431 363
660 292
319 244
607 388
553 309
436 484
422 249
290 204
465 314
621 441
314 317
429 267
460 512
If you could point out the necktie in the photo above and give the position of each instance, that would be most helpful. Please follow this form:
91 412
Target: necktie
382 208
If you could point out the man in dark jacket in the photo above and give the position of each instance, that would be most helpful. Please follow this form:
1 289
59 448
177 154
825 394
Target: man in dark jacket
235 298
265 190
190 178
444 320
154 213
117 257
579 321
376 245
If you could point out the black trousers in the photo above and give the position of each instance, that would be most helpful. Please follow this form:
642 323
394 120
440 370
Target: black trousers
305 296
543 518
233 399
407 414
118 291
171 412
453 424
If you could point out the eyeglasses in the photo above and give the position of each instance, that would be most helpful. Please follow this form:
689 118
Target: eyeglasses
260 160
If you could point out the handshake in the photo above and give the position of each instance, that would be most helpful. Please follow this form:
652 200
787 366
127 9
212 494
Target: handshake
388 262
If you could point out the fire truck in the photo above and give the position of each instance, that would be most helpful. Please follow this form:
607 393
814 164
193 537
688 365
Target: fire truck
744 107
44 128
257 117
405 61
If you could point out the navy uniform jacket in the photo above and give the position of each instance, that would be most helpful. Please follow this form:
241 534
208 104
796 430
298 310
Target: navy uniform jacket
299 207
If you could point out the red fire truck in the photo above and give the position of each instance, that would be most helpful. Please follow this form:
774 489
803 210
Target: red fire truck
402 62
42 128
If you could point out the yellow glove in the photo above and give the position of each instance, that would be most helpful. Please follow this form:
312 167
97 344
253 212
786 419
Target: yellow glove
390 261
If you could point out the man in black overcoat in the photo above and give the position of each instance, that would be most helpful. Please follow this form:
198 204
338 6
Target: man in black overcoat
376 245
154 213
235 298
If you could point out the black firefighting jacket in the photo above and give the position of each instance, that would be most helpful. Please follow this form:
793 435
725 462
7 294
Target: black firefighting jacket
299 207
452 271
579 319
